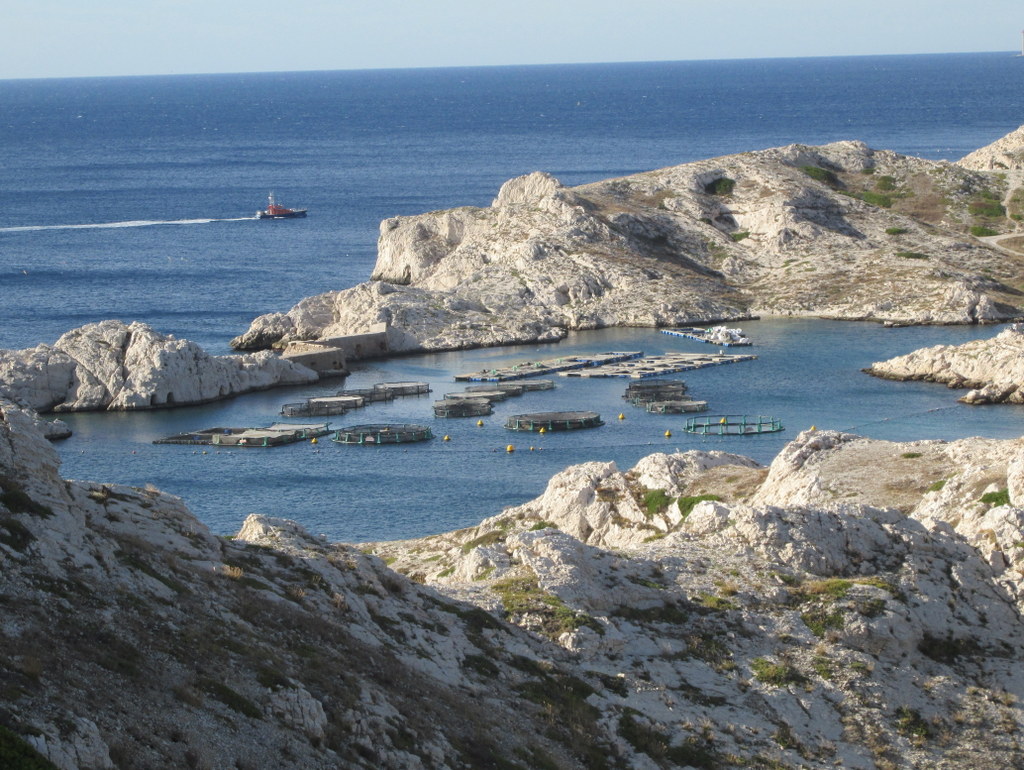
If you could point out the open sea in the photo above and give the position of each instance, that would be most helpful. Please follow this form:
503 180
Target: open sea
133 198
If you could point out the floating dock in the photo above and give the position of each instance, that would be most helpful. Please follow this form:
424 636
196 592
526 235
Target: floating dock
544 422
715 335
653 366
272 435
733 425
548 366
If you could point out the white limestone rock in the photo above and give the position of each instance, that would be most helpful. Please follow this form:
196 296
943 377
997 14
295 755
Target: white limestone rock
116 366
993 368
714 239
1004 154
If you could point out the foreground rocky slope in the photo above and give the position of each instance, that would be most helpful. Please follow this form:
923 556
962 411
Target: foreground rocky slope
117 366
813 615
838 231
993 368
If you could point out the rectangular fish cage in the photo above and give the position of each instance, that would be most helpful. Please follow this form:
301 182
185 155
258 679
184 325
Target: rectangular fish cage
462 407
383 434
733 424
646 391
403 388
676 407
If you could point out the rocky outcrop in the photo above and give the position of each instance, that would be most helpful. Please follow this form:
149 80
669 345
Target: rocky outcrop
1004 154
790 618
992 368
116 366
838 231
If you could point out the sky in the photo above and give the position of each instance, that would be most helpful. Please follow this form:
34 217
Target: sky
81 38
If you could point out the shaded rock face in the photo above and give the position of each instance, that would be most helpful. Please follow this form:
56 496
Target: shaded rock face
116 366
839 231
992 368
603 625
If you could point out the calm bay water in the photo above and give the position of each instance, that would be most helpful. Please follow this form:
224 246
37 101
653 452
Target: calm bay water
132 198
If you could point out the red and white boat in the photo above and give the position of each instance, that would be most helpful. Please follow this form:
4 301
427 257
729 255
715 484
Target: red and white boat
275 211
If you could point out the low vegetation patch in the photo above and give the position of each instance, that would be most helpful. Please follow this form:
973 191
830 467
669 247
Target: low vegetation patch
740 236
721 186
686 503
522 597
774 674
911 255
992 209
17 754
995 499
896 230
656 501
822 175
980 231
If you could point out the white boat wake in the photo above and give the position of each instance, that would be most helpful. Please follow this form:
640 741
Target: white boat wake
131 223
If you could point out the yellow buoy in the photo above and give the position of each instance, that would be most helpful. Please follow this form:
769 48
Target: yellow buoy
543 430
313 440
722 421
447 437
813 427
480 423
668 434
510 448
622 416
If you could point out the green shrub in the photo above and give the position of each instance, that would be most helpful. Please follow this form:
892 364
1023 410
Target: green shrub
775 674
821 175
910 455
980 231
986 208
686 503
740 236
488 538
936 486
910 723
721 186
876 199
911 255
1002 497
16 754
896 230
233 700
656 501
885 184
543 525
820 620
16 500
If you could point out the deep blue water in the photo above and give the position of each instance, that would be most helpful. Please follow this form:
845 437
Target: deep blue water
132 198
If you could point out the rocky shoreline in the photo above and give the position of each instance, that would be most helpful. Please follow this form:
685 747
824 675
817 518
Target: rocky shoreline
116 366
992 369
697 610
838 231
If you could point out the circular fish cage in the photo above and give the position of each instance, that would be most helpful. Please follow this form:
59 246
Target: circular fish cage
732 424
462 407
383 433
554 421
645 392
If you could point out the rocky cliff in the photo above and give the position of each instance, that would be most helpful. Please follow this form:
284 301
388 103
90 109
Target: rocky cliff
838 231
697 610
992 368
117 366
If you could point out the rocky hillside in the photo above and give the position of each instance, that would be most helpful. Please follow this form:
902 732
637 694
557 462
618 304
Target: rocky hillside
993 368
838 231
697 610
117 366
